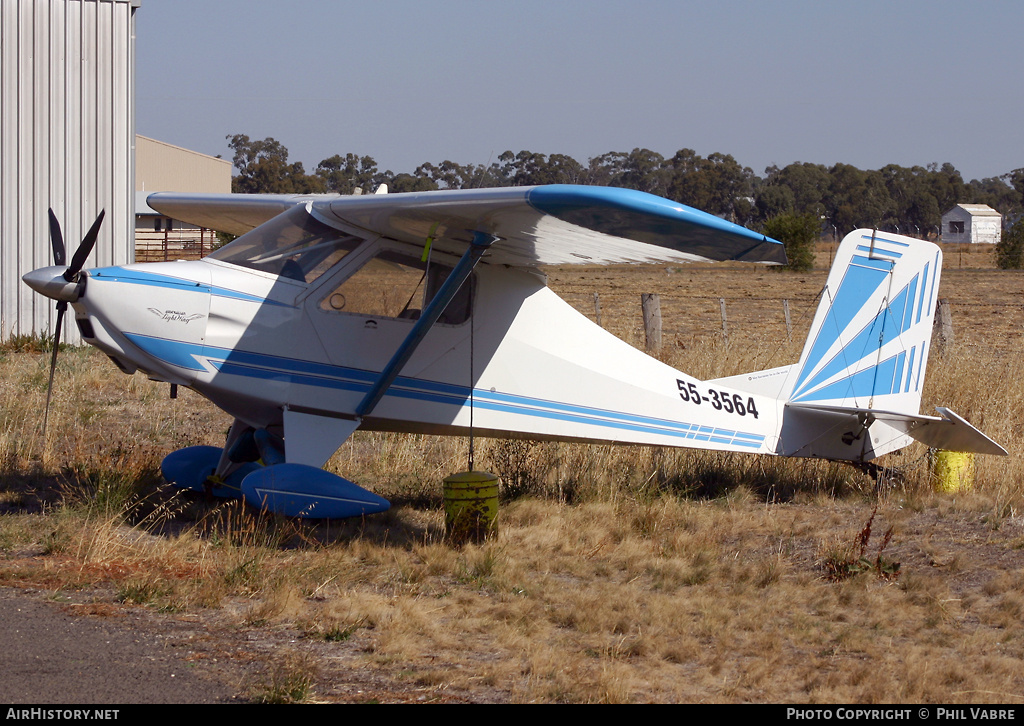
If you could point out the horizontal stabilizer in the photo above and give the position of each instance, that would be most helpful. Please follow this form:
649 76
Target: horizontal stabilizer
949 431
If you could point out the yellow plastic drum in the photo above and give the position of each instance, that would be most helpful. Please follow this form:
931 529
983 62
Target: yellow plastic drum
954 471
470 506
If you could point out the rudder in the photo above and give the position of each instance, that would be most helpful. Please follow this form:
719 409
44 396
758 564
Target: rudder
868 344
855 393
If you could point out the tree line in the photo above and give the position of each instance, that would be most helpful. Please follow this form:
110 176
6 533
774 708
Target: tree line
841 197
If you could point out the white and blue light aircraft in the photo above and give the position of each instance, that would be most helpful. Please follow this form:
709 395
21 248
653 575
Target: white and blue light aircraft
427 312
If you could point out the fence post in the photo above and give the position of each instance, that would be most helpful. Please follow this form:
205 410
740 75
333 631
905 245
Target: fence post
651 304
943 325
725 320
597 308
789 325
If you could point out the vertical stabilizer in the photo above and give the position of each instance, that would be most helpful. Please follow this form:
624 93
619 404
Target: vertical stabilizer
867 349
868 343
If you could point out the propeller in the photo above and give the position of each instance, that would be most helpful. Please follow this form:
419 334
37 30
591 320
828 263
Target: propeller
56 240
71 275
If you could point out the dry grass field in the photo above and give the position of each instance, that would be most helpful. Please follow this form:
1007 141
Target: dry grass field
618 574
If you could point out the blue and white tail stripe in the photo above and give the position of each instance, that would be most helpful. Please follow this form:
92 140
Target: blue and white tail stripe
871 333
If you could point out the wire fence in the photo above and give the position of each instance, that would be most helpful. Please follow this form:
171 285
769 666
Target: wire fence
764 322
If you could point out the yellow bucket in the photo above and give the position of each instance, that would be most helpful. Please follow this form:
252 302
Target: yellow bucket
470 506
954 471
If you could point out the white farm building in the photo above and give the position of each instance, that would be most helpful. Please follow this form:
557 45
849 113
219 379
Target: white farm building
971 224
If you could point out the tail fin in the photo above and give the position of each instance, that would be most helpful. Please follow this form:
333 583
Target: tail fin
868 344
856 392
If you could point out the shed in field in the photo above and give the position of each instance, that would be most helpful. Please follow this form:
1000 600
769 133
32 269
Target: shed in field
971 224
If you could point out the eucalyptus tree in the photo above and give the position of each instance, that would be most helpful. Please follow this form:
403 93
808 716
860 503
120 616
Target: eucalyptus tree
263 168
528 168
345 174
996 193
717 184
856 198
640 169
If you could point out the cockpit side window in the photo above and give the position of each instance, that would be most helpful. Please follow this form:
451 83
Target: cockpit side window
294 245
393 285
460 307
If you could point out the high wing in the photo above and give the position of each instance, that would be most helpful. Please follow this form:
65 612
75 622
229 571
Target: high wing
232 213
544 225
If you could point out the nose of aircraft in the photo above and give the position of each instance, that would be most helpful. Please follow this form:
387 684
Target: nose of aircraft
51 282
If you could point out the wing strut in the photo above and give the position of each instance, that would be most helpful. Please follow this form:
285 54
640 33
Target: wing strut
481 242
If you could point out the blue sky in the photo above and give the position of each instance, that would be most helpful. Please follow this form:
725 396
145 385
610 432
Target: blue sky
865 83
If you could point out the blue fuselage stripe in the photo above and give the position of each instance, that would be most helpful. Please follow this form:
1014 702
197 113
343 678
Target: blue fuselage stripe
307 373
150 279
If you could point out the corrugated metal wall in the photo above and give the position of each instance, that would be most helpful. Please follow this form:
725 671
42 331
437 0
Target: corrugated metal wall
67 125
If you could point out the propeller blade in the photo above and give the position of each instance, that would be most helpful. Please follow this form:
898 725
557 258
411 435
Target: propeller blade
82 253
70 274
61 307
56 240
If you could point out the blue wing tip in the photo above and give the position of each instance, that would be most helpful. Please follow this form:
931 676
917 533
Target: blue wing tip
654 219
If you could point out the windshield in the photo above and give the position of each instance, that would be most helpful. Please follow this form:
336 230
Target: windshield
294 245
